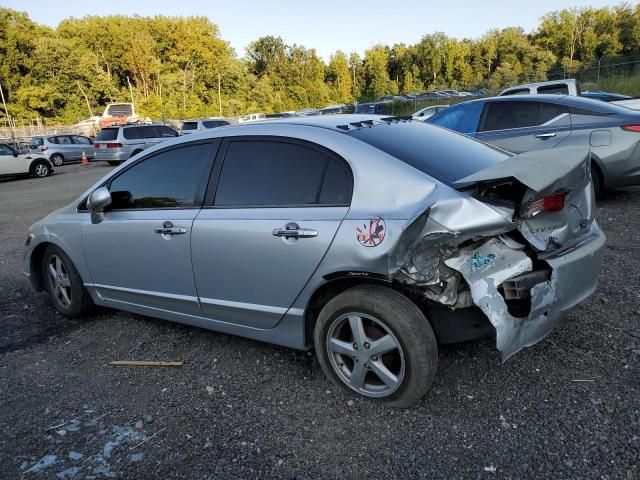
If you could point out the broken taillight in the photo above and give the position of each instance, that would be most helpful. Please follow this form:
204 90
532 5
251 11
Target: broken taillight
550 203
631 128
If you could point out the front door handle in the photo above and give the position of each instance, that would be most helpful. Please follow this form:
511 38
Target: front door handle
294 232
545 135
168 229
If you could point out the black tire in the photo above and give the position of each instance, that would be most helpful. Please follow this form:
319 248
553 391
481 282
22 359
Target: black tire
135 153
403 319
80 300
57 159
40 169
114 163
596 180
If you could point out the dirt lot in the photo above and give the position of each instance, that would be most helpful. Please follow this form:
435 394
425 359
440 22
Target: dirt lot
568 407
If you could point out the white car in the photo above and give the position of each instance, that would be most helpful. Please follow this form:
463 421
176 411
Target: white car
14 164
427 112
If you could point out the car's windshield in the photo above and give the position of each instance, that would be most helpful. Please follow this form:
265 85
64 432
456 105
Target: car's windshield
442 154
107 134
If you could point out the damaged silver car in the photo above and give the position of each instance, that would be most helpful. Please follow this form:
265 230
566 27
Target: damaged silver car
372 239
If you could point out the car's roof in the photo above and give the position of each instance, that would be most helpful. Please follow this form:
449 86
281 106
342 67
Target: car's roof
331 122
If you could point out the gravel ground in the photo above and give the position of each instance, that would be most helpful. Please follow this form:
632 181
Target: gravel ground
568 407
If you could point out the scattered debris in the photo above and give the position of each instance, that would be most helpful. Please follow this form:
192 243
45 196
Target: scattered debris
146 363
68 474
148 438
582 380
139 425
136 457
147 418
350 403
490 469
42 464
75 455
210 390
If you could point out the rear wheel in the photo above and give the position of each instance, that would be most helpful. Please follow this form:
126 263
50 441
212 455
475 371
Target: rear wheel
64 284
114 163
375 342
596 179
40 170
57 159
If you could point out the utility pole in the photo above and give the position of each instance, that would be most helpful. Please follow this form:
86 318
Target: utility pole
160 92
6 111
219 95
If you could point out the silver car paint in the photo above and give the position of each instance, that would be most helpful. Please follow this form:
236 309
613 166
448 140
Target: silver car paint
252 294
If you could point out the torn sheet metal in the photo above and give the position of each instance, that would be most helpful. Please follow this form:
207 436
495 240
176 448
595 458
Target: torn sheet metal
485 267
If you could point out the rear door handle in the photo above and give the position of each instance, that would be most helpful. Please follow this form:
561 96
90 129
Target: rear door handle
294 232
168 229
545 135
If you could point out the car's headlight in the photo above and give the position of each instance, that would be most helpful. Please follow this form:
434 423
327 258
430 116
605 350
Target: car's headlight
29 238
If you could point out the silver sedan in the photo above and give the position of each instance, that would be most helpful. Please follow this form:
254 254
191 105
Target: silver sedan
370 239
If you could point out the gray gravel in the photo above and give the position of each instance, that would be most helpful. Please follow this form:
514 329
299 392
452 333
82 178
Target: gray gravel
568 407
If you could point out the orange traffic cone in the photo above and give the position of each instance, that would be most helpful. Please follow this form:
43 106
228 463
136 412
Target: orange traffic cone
85 160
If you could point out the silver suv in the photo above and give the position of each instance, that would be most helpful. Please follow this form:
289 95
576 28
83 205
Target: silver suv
117 144
62 148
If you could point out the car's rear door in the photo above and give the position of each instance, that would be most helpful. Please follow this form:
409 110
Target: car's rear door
272 210
523 126
140 255
83 145
154 134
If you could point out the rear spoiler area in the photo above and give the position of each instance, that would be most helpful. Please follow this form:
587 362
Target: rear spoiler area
541 171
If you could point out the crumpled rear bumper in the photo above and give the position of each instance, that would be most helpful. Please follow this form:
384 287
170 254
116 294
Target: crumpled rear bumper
574 276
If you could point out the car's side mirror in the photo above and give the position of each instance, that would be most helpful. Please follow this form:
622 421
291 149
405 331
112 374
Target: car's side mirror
97 202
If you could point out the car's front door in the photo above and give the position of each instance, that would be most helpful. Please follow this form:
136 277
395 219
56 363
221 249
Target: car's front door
139 255
10 163
524 126
272 210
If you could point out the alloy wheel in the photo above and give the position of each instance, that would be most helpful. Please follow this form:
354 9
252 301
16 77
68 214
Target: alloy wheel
57 160
60 282
41 170
365 354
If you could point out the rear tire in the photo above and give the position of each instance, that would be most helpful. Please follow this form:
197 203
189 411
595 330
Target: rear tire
40 169
57 159
596 180
113 163
64 284
390 355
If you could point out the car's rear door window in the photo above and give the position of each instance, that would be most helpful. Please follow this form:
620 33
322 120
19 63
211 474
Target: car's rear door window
169 179
187 126
80 140
133 133
280 174
506 115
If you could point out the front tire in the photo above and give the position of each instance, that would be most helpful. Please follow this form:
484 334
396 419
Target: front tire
64 284
373 341
57 160
40 170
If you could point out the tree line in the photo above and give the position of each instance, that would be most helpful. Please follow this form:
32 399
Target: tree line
182 68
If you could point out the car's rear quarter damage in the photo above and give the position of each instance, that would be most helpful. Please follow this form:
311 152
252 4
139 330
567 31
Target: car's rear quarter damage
486 248
523 268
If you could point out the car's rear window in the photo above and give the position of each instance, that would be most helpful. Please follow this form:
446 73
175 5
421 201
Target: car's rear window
190 126
108 134
440 153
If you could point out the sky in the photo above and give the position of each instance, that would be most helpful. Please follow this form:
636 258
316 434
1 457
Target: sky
326 25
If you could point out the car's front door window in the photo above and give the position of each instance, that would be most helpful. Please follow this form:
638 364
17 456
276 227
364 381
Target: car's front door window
170 179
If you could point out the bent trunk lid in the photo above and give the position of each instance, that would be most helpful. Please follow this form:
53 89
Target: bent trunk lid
563 171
